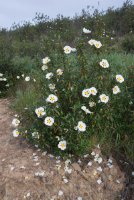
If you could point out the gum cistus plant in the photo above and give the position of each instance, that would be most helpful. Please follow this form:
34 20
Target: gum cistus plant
80 105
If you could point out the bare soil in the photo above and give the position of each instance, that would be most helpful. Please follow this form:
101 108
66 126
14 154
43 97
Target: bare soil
20 166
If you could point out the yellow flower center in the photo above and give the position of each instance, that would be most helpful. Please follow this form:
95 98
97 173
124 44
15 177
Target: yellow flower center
39 113
62 145
81 126
119 79
17 132
86 93
49 121
52 98
92 91
104 98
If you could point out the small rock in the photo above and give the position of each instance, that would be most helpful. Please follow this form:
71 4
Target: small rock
117 181
60 193
99 181
93 153
40 174
99 169
44 153
27 195
90 163
79 198
65 180
79 161
22 167
85 156
37 164
35 158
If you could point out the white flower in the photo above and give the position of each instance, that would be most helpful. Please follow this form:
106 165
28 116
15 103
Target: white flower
18 77
35 135
45 60
59 72
44 67
16 133
49 75
7 85
119 78
116 90
51 86
97 44
81 126
74 49
15 122
86 31
52 98
4 79
93 90
1 74
40 112
58 138
62 145
22 75
49 121
67 49
92 104
86 110
91 42
86 93
104 63
27 78
104 98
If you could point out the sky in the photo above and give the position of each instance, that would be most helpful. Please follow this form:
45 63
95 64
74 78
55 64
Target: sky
19 11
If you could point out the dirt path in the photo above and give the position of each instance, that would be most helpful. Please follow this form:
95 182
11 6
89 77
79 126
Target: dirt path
26 173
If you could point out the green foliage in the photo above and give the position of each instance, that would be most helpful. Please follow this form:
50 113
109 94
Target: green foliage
128 43
110 124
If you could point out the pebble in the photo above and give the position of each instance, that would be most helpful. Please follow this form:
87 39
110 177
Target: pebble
44 153
90 163
40 174
22 167
60 193
79 198
99 181
99 169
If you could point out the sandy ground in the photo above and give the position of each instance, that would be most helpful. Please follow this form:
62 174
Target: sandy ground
27 173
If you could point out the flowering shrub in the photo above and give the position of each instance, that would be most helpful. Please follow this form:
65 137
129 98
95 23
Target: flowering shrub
4 85
79 105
